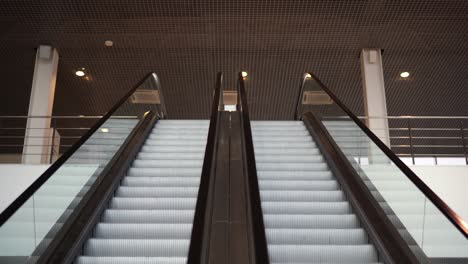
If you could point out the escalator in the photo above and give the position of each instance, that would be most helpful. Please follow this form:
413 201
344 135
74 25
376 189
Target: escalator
141 188
149 219
307 216
133 189
325 189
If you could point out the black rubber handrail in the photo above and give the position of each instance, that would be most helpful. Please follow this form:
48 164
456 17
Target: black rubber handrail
23 197
198 249
456 219
258 226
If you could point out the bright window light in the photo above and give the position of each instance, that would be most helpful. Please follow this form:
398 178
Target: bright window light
230 108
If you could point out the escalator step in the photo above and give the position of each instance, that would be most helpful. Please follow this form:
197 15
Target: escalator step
136 247
143 231
323 253
316 236
147 216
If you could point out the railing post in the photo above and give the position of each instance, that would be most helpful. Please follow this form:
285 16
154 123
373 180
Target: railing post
411 141
463 141
51 154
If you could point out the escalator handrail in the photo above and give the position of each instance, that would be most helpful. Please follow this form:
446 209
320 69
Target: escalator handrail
198 249
456 219
29 192
258 225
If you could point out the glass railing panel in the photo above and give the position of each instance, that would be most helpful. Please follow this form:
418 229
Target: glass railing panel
423 226
27 232
33 226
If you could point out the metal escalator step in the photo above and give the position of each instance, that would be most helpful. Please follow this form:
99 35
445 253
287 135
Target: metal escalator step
180 142
136 247
300 208
286 151
167 164
164 172
355 236
178 131
306 215
323 253
143 231
148 216
298 185
289 158
162 149
153 192
170 156
170 137
273 139
311 221
284 129
276 133
295 175
161 181
130 260
124 203
149 219
285 145
283 166
302 196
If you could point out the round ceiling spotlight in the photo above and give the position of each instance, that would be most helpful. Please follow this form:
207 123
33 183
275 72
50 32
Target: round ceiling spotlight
404 74
80 73
109 43
244 74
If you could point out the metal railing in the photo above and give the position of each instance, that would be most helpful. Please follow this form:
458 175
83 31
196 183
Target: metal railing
438 138
20 141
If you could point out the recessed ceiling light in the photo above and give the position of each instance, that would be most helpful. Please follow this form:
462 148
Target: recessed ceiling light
244 74
308 76
104 130
80 73
404 74
109 43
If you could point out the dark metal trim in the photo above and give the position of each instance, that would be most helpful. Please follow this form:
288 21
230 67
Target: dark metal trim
260 248
67 243
386 238
199 242
23 197
456 219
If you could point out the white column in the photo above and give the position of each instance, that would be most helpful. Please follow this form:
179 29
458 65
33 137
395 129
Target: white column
375 103
38 132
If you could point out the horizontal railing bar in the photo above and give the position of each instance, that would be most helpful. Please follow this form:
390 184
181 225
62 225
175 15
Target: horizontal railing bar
431 155
400 117
457 138
21 145
428 129
61 128
428 146
68 117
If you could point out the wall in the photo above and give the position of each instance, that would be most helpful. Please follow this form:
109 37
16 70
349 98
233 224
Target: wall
449 182
14 179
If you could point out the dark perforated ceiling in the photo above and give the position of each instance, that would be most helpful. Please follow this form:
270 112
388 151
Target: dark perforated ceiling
187 42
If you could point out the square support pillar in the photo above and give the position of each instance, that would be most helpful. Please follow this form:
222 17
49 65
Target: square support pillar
375 102
37 141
